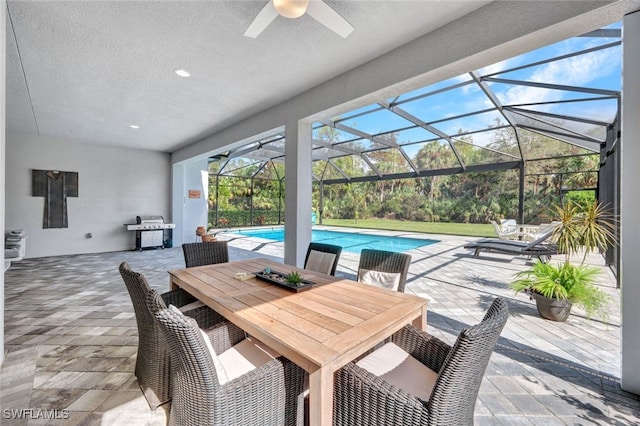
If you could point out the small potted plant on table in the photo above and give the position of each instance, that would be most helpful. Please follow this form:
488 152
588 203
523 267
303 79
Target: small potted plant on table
556 288
294 279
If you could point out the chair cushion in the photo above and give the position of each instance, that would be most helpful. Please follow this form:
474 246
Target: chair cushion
319 261
245 357
223 377
389 280
191 306
238 360
221 372
392 364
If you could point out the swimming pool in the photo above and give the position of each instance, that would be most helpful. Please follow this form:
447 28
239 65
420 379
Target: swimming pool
351 242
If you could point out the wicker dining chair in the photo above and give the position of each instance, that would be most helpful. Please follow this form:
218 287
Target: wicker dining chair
205 253
152 362
322 258
455 372
270 394
392 267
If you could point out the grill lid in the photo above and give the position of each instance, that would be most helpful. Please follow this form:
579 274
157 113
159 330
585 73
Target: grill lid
149 219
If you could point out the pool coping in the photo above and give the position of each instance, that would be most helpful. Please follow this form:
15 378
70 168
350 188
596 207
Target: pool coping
235 236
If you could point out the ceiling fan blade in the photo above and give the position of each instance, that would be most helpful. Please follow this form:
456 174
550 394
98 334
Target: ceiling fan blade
323 13
262 21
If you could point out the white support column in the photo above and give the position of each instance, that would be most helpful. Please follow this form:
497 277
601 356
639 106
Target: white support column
630 204
189 209
297 194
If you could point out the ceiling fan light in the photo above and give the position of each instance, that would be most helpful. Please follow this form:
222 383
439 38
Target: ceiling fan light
291 8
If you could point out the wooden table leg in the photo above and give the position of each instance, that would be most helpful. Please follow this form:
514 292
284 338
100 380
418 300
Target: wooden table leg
321 397
421 322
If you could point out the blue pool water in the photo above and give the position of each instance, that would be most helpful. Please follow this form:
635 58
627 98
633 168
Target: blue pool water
350 242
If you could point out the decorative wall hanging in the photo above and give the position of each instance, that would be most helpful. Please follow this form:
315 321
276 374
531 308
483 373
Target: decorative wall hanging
55 186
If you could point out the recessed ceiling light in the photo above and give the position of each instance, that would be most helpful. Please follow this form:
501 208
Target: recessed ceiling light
134 126
183 73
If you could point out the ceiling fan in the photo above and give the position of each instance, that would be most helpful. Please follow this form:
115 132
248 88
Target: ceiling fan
292 9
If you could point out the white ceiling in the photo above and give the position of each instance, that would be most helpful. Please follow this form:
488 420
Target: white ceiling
87 70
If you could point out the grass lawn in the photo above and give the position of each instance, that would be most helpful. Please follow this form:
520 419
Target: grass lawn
465 229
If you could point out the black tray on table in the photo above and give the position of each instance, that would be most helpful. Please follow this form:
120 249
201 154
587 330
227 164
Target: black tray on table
278 278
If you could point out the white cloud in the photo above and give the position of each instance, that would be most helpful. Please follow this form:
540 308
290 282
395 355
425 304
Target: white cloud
501 66
575 71
578 70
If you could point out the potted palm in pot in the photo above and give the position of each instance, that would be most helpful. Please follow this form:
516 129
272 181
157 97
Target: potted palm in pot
555 288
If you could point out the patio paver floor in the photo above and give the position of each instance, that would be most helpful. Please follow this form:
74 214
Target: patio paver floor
71 337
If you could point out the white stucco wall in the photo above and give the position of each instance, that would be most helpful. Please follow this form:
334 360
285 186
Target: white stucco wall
189 212
3 58
115 185
630 205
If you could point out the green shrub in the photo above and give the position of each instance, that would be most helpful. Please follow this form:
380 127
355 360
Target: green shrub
241 218
574 283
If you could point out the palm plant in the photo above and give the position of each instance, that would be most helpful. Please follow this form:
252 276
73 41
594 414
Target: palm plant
568 235
590 226
598 228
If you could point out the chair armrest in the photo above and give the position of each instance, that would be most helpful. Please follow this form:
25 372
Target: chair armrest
224 335
177 298
205 317
427 349
365 399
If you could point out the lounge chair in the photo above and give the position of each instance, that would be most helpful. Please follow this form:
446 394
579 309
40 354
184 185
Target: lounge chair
540 248
541 230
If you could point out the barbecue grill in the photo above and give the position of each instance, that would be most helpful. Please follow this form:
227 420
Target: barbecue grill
152 232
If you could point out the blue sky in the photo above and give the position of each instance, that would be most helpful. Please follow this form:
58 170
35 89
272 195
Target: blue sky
600 69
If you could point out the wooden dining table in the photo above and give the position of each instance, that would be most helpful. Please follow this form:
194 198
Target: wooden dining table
320 329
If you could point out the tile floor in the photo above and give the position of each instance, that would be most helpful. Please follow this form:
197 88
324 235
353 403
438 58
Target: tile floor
70 337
